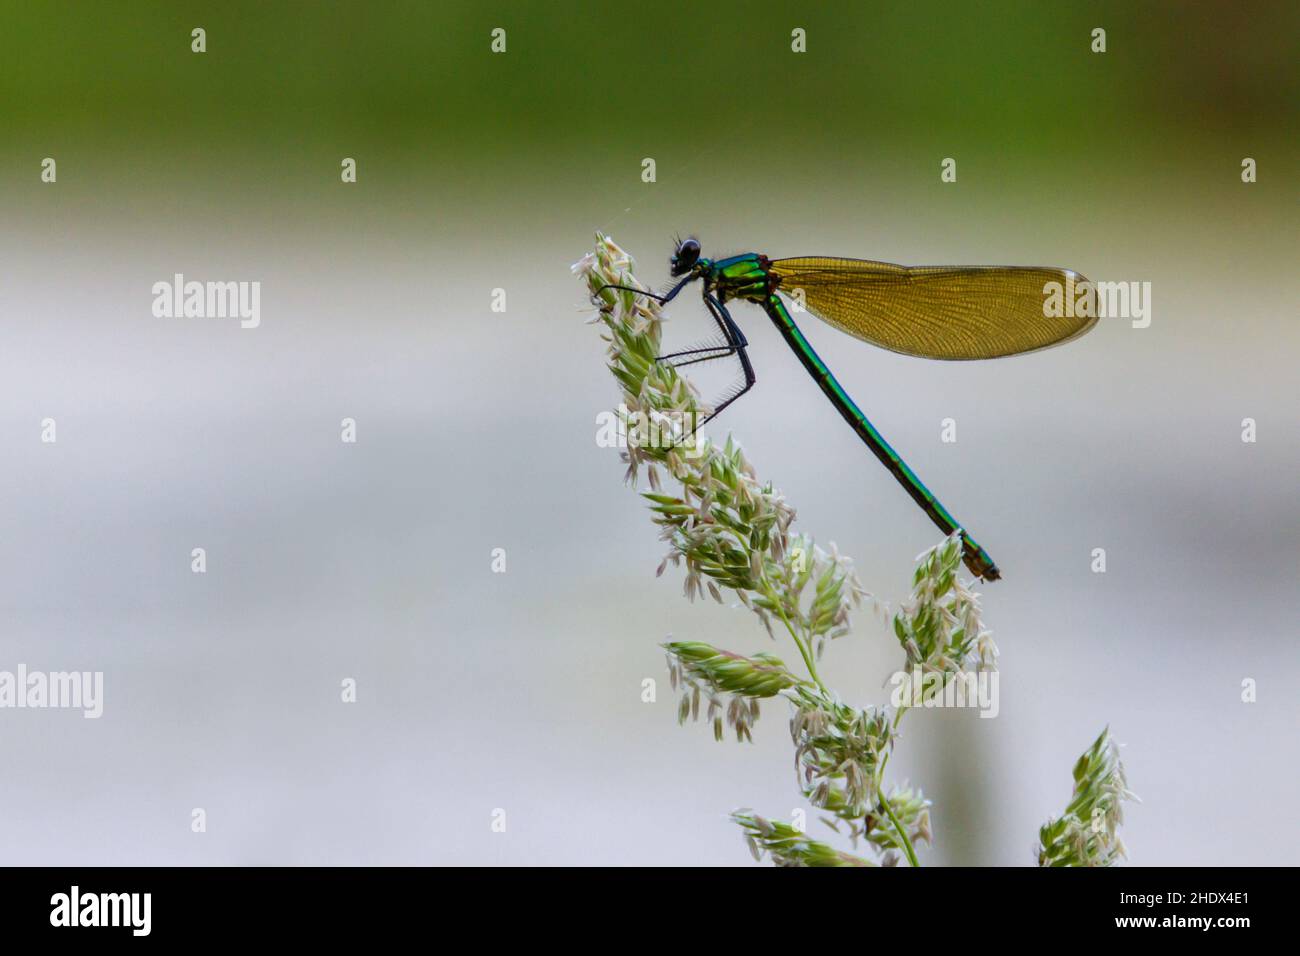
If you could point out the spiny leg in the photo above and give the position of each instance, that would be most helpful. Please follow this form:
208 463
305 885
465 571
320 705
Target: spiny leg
721 353
661 299
734 340
739 344
706 353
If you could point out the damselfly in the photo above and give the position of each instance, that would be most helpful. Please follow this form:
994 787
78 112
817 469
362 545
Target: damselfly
938 312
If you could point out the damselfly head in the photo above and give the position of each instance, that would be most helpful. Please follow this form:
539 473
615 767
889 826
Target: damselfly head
684 259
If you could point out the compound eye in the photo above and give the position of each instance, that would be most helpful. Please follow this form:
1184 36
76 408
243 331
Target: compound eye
688 252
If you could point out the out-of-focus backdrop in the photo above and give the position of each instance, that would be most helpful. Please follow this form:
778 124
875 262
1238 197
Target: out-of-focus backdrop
479 171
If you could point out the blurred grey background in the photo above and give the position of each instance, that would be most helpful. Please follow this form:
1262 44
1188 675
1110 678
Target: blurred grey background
476 430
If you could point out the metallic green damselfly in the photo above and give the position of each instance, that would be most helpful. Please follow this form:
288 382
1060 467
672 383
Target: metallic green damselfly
938 312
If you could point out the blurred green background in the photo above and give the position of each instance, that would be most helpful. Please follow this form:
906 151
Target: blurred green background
479 171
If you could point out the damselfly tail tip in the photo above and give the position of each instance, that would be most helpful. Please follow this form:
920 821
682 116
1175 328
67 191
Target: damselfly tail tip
977 560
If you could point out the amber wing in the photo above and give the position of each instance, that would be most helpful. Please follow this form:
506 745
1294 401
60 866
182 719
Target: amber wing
942 312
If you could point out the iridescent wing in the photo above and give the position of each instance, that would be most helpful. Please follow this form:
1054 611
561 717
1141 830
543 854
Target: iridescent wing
941 312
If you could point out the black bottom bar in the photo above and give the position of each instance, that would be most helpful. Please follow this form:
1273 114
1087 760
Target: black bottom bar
338 905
